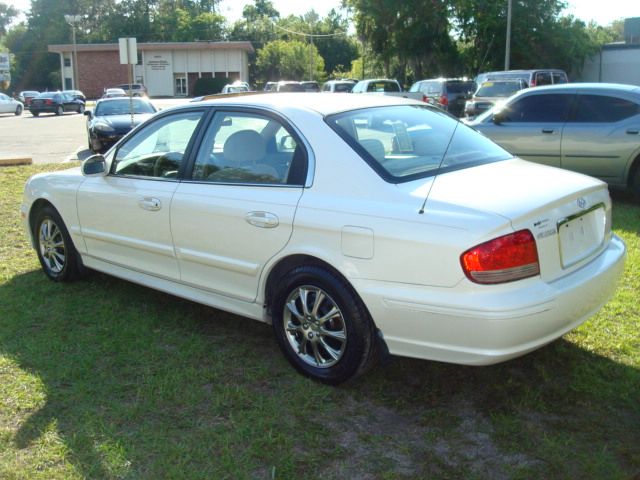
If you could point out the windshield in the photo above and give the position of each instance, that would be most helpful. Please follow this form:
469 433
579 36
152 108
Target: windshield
498 89
406 142
121 107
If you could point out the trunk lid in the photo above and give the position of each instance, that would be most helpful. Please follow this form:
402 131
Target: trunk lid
569 214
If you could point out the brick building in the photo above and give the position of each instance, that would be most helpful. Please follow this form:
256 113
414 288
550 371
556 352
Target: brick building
167 69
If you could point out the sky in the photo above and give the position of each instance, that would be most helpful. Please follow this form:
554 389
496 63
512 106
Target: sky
602 12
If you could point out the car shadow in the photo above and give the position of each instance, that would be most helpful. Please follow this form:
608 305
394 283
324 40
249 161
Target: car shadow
126 382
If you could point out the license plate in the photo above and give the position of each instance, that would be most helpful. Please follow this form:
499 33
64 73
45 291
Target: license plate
581 235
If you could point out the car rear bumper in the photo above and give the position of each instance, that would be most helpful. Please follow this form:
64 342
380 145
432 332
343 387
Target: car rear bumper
483 325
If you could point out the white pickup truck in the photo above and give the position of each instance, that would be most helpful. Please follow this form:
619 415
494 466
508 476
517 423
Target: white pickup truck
384 86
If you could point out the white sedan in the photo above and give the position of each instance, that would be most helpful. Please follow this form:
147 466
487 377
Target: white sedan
9 105
354 224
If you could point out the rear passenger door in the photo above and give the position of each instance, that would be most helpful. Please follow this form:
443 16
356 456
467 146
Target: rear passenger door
602 136
236 210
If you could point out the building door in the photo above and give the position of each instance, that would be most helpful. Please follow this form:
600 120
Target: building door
180 85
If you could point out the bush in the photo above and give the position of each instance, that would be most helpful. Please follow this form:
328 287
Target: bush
208 86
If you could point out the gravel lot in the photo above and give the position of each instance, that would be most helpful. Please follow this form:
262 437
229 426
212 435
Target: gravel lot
49 138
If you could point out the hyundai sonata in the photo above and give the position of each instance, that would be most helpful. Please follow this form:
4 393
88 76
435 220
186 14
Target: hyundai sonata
353 224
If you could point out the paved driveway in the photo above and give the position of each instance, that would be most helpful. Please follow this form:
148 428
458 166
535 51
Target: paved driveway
49 138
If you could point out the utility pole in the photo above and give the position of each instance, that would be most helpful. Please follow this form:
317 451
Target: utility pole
73 20
507 50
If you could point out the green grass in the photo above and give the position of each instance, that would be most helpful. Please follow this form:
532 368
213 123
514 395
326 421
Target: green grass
105 379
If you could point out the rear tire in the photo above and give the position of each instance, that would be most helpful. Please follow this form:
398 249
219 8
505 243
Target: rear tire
19 110
322 326
35 114
635 183
81 109
56 252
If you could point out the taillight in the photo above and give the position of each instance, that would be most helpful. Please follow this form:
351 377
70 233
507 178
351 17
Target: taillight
48 101
503 259
425 99
533 83
444 100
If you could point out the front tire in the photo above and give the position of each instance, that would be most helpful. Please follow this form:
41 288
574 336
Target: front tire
35 114
322 326
81 109
59 110
58 257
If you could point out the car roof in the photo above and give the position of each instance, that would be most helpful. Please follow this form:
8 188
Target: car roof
611 87
316 102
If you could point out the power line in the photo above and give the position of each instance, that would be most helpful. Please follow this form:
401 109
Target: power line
312 35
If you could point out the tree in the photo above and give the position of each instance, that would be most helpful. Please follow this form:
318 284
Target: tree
7 14
291 59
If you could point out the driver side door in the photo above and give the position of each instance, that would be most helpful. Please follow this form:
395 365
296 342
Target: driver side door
124 216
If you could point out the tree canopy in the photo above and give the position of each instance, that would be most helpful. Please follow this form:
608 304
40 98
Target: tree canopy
408 40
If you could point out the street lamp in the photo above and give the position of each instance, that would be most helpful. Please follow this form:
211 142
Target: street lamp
74 20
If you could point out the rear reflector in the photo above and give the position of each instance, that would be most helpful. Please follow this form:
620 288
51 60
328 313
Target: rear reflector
503 259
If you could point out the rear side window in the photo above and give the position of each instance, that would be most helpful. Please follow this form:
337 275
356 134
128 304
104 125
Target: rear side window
603 108
559 77
539 108
543 78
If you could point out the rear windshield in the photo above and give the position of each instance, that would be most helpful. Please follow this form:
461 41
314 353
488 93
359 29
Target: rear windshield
407 142
121 107
498 89
343 87
461 87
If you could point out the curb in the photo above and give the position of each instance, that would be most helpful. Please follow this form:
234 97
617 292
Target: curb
12 162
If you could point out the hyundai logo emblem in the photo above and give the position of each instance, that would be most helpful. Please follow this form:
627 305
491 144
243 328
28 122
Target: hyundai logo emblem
582 203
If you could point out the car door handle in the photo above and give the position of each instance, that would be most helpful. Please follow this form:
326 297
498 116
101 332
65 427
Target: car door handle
150 203
633 131
548 130
262 219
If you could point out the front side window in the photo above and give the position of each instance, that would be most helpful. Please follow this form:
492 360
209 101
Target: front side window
250 148
157 149
403 143
604 108
550 108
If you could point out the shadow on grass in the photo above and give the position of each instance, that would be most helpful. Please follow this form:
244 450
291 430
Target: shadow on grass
142 384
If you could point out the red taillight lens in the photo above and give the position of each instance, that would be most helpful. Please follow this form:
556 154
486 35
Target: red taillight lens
425 99
533 83
48 102
444 100
503 259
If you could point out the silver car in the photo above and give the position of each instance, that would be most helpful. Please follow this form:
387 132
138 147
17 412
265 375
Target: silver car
9 105
589 128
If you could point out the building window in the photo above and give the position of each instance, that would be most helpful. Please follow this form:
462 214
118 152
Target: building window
68 84
67 62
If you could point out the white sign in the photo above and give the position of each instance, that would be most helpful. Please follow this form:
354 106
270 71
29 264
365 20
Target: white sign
128 51
4 61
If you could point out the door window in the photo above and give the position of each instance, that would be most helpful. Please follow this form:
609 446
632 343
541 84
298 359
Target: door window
242 147
604 108
539 108
157 149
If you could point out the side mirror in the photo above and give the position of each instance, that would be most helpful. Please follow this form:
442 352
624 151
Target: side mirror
94 166
88 113
499 117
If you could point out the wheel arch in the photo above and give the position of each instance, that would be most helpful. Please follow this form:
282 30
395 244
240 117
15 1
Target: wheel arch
633 171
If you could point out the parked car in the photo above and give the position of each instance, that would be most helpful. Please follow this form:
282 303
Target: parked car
310 86
136 89
111 120
288 86
77 94
384 86
9 105
114 93
589 128
270 86
446 247
26 95
234 88
490 93
338 86
533 78
450 94
55 102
